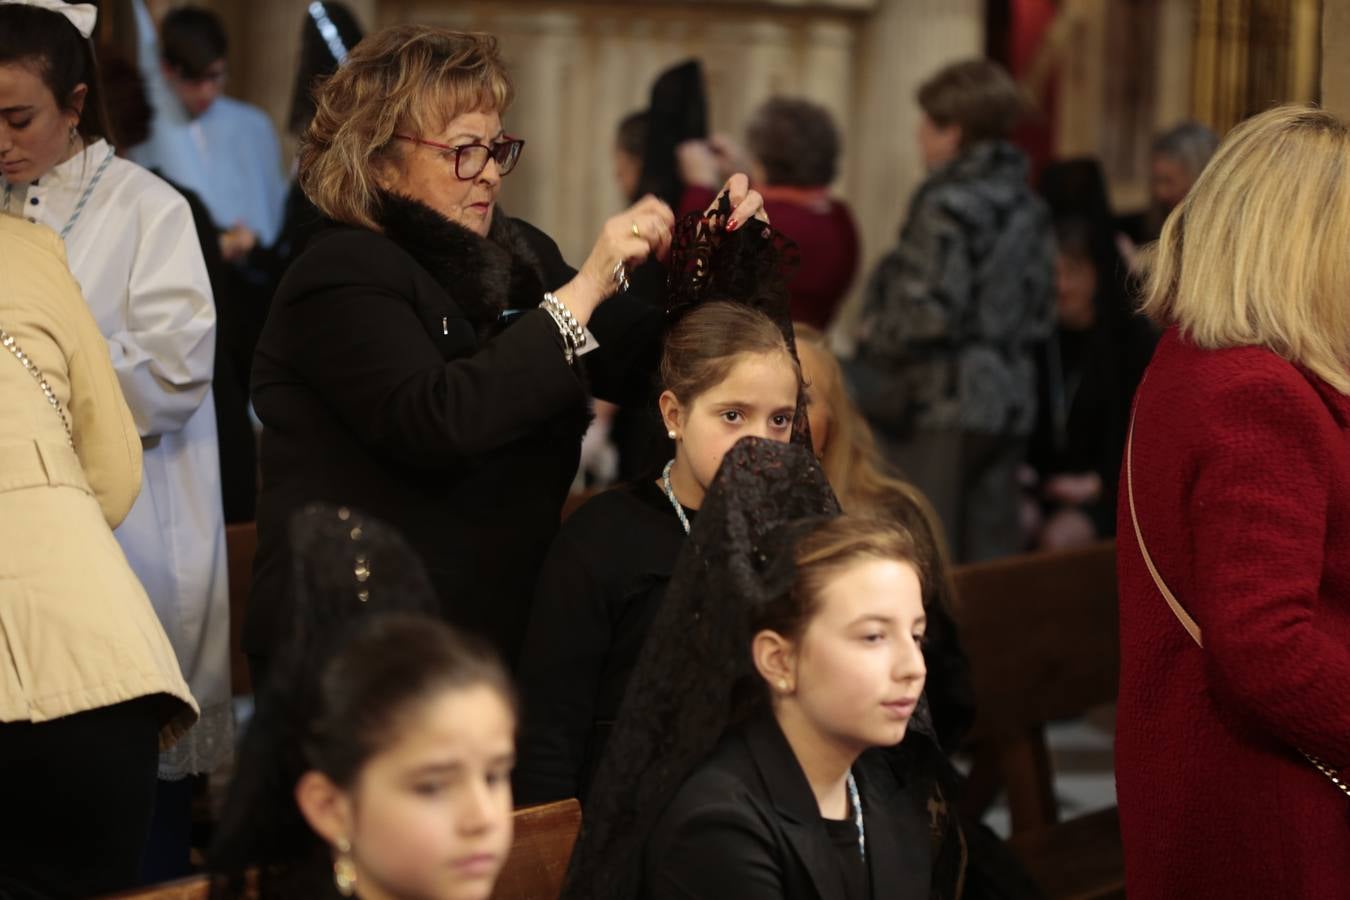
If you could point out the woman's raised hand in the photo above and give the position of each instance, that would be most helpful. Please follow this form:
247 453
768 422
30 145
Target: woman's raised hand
746 204
641 232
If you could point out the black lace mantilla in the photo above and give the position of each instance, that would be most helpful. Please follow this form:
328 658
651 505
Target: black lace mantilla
751 266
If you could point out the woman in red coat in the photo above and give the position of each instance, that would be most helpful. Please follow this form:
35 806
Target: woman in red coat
1240 465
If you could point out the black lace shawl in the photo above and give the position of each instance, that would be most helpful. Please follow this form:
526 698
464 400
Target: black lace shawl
346 568
751 266
695 679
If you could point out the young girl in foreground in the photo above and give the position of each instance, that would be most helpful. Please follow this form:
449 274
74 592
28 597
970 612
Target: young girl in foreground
727 373
759 753
381 766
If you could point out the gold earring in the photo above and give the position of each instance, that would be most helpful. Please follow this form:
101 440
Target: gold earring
783 685
344 869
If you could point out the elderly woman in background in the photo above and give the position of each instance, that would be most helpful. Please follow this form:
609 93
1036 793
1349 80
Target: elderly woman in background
1235 532
427 358
1177 158
793 157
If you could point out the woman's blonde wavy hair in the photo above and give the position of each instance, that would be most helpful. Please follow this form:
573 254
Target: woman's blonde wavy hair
408 78
850 458
1258 254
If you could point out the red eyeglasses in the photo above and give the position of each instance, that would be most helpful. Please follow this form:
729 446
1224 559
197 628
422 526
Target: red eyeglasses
472 159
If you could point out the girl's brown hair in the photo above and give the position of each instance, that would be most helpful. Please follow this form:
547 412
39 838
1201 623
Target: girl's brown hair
820 554
701 349
405 79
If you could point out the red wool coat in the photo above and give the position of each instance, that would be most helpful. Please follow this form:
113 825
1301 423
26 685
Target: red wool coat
1242 485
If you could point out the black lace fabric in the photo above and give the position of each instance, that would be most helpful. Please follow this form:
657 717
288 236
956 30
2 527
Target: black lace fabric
695 679
751 265
347 566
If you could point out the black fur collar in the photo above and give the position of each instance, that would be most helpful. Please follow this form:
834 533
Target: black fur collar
483 276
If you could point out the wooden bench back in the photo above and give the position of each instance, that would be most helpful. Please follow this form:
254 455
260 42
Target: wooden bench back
1042 635
540 852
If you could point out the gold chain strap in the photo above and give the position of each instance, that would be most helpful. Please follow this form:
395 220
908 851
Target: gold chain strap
1329 772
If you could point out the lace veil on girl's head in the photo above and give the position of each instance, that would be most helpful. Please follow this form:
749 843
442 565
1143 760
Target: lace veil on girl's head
751 266
346 568
695 678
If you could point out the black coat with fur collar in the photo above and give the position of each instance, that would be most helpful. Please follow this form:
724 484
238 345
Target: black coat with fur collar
385 380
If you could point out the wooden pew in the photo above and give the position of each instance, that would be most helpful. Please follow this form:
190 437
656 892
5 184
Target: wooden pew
241 543
540 851
1042 635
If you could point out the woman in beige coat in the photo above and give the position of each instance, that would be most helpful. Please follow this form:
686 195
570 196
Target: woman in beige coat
90 690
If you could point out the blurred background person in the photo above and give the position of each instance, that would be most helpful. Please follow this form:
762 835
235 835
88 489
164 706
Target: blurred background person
952 317
130 114
1176 159
222 148
1088 372
793 157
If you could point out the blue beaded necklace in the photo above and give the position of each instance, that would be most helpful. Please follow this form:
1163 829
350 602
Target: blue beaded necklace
84 196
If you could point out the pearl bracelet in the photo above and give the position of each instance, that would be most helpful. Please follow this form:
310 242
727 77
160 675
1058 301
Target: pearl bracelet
573 332
578 331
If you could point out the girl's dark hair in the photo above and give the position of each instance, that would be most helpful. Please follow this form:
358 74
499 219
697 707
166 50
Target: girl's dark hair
51 46
701 348
318 57
389 666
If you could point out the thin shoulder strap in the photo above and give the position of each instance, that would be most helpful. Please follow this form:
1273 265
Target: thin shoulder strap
1191 626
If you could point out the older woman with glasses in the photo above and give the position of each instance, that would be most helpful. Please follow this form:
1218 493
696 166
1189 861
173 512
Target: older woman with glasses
427 360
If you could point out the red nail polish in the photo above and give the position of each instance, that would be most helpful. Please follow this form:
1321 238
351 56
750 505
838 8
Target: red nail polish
733 225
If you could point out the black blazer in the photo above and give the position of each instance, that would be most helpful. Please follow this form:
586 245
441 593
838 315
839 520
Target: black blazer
599 590
385 379
745 826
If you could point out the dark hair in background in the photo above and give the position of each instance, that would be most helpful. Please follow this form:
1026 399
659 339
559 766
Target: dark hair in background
124 93
1080 205
678 112
631 136
364 652
54 48
796 142
318 57
701 348
191 39
978 95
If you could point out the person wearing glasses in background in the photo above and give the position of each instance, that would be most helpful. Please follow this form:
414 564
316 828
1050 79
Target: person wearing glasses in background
427 358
